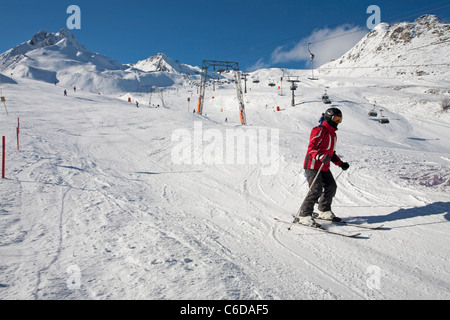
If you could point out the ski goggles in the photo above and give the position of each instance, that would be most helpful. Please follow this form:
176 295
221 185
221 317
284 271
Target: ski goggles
336 119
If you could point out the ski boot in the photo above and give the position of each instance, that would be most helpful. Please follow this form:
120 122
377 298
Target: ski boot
326 215
307 221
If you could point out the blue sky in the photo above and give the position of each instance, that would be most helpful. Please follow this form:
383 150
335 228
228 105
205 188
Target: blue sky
255 33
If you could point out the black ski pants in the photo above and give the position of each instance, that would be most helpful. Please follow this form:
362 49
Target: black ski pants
324 188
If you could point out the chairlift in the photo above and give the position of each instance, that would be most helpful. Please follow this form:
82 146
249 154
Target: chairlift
382 120
373 113
312 59
326 99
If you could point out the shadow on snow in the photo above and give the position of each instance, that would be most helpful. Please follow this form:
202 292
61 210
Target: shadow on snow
401 214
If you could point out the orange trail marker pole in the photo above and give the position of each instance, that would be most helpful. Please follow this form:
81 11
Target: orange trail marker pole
3 99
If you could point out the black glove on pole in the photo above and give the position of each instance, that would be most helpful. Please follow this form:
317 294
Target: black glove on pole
344 165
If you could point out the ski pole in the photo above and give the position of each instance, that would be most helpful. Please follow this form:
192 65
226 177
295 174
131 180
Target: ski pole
339 174
310 187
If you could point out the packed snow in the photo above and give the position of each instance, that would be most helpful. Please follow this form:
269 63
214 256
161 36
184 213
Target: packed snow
109 199
94 196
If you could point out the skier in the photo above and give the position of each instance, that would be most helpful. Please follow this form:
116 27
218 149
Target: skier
320 152
65 92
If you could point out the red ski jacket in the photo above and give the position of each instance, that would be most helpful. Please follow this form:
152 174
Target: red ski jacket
321 142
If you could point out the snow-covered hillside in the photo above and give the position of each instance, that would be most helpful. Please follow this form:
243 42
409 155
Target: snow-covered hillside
105 200
418 49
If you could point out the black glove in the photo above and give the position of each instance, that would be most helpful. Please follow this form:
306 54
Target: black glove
324 158
344 165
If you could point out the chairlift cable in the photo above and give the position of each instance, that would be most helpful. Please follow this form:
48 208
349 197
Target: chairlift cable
392 66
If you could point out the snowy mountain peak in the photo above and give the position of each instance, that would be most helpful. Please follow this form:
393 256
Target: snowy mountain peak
50 56
59 58
429 20
41 40
162 62
44 38
406 49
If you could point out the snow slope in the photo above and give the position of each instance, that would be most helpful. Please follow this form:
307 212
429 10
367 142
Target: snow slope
95 205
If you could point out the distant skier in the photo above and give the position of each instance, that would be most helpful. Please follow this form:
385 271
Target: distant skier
137 104
65 92
74 89
320 152
322 119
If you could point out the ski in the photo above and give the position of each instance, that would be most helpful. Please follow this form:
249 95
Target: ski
363 226
343 234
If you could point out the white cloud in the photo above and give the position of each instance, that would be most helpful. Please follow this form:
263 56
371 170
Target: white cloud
326 44
260 64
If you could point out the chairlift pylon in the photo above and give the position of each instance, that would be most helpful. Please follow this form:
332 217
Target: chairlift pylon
204 79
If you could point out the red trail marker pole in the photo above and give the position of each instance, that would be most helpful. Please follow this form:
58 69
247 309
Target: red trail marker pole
18 130
3 157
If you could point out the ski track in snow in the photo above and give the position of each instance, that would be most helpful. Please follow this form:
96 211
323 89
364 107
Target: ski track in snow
94 187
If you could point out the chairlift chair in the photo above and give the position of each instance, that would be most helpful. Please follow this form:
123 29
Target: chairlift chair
326 99
383 119
373 113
